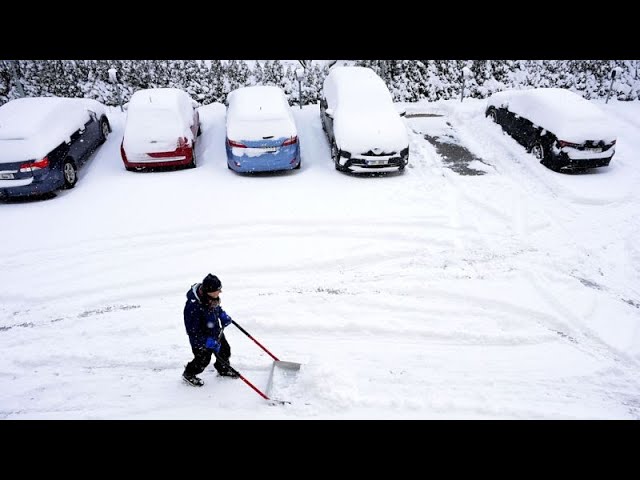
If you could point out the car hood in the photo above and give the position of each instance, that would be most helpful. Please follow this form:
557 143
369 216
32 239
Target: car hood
358 133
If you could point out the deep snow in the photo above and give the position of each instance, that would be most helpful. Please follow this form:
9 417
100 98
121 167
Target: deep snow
428 294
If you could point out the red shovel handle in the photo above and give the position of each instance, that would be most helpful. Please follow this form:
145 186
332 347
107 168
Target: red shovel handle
230 368
257 342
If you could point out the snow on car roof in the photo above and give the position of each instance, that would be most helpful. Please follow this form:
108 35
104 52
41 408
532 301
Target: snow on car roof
563 112
358 87
364 117
259 102
159 97
23 117
164 99
157 115
31 127
257 111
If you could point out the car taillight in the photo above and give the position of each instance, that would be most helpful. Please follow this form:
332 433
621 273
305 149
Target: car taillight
563 143
290 141
36 165
235 144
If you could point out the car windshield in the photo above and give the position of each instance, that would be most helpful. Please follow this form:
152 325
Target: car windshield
153 122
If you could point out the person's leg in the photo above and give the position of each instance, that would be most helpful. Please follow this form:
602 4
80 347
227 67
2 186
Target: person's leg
202 358
224 354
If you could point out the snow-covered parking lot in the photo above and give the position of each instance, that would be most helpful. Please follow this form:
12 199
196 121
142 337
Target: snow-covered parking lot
513 293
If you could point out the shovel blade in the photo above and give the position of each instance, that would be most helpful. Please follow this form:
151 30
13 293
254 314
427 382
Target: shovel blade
283 374
290 366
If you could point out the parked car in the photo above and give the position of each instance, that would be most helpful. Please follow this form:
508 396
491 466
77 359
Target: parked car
45 140
562 130
261 132
161 129
362 124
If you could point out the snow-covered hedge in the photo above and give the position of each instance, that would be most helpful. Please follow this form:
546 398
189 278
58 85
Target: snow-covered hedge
210 81
441 79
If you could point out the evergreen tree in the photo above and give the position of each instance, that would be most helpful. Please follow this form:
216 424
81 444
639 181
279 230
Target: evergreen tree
216 91
258 74
273 73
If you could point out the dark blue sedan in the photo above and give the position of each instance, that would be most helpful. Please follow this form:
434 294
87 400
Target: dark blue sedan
45 140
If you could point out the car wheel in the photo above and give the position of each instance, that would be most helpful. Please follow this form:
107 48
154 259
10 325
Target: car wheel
70 174
104 130
538 151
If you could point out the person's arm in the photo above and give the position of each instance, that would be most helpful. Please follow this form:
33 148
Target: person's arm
193 324
225 319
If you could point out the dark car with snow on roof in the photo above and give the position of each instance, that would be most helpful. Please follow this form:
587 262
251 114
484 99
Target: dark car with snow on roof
362 124
45 140
559 127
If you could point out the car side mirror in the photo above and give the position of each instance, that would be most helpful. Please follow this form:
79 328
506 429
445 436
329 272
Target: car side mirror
329 112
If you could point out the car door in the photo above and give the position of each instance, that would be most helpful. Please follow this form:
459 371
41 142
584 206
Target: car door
327 120
83 140
78 145
508 122
527 132
93 130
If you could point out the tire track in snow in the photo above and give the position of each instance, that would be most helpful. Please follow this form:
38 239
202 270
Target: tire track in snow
560 327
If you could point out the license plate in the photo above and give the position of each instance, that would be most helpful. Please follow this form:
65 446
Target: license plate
377 162
593 150
6 176
270 149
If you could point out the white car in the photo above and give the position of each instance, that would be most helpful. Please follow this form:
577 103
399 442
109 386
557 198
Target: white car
161 129
361 122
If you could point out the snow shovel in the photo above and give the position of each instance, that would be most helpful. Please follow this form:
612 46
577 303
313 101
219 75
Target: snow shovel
233 370
280 369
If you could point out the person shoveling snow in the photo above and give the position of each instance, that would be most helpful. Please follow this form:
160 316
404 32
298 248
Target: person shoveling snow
205 321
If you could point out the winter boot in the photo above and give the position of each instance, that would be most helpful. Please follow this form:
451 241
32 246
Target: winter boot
227 372
192 380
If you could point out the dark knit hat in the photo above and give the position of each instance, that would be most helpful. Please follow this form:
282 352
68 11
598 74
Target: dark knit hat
211 283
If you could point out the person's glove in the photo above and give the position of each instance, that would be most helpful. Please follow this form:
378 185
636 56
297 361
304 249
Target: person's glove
212 344
225 319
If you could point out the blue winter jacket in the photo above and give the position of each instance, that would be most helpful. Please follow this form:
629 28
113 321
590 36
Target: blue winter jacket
201 321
